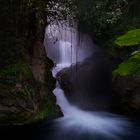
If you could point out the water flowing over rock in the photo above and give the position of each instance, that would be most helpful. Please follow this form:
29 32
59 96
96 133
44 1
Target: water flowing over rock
64 44
82 124
89 83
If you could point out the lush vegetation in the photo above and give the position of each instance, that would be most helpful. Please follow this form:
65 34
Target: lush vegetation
132 65
131 38
104 20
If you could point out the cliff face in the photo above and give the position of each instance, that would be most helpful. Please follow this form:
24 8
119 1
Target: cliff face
105 33
26 82
129 95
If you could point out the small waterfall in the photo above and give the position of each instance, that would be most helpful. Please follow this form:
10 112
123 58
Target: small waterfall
65 52
76 123
79 122
64 44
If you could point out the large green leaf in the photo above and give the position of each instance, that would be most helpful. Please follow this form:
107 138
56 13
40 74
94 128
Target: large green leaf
135 55
128 68
131 38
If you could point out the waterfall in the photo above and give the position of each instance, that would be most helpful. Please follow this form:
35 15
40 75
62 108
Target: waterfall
64 44
65 53
104 125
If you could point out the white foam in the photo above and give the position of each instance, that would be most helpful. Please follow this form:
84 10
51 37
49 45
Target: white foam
107 124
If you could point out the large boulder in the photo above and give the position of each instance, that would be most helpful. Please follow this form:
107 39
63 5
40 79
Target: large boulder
88 84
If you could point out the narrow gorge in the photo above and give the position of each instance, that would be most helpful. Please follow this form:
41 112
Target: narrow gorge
70 70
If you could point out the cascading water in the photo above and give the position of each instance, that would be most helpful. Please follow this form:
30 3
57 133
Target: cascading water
76 123
63 45
81 122
65 53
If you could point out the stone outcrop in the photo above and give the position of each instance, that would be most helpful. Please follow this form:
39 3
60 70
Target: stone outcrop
88 84
26 84
128 90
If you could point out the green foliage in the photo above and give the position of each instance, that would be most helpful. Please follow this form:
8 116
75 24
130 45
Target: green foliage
47 110
136 55
130 67
129 39
50 10
36 8
104 19
99 15
27 91
9 74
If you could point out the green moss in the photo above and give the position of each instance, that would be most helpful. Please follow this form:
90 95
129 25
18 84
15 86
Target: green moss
27 91
9 74
47 110
26 71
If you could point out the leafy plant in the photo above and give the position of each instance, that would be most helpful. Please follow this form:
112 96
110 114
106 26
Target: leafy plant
130 67
131 38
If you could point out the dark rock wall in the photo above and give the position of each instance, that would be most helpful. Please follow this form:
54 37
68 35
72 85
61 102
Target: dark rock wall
26 81
88 84
128 89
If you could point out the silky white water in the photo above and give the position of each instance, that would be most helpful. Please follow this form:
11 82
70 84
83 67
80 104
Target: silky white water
107 124
75 120
64 44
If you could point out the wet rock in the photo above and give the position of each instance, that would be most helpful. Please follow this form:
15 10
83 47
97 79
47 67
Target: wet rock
88 84
128 89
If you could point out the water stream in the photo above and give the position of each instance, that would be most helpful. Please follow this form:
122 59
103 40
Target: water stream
78 124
